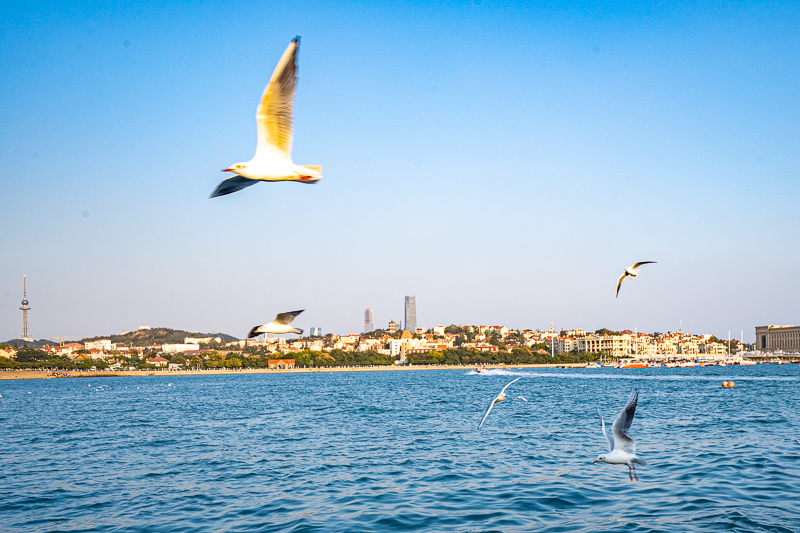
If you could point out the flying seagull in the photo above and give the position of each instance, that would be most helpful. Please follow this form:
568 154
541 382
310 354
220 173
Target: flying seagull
631 272
279 325
273 158
621 448
499 398
520 398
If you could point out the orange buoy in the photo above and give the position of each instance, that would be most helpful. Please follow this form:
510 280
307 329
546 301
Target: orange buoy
730 384
724 383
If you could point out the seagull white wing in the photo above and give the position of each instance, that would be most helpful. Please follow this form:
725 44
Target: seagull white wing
286 318
608 437
623 439
509 383
488 410
619 281
640 263
274 114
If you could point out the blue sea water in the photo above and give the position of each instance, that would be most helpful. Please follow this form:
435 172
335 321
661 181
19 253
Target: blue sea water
399 451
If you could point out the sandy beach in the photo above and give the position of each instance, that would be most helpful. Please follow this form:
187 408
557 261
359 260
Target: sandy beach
47 374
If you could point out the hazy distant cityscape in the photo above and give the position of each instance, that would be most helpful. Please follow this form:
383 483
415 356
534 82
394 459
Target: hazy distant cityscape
398 343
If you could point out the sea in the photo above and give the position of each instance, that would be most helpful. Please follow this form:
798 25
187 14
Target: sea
401 451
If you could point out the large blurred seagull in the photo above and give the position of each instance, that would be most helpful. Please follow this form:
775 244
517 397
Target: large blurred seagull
499 398
621 448
631 272
273 158
281 324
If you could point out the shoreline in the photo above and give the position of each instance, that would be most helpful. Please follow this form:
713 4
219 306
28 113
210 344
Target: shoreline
62 374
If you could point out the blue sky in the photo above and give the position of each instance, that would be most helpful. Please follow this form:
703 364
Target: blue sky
501 161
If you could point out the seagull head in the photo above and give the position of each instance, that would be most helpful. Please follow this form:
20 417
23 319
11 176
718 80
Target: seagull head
238 167
600 459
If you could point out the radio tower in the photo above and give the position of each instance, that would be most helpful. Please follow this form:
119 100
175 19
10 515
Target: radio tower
25 335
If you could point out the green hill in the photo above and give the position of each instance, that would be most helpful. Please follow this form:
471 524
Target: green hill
145 337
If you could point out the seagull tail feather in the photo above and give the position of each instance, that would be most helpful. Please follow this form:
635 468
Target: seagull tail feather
316 174
639 462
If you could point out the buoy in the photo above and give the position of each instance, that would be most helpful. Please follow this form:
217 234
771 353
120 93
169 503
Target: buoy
730 384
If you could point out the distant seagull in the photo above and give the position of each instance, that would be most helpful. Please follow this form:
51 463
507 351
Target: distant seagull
279 325
621 448
499 398
273 158
520 398
631 272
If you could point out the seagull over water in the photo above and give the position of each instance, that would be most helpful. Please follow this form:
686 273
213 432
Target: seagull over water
499 398
281 324
631 272
273 158
621 448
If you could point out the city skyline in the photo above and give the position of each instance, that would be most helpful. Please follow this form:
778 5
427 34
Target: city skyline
665 132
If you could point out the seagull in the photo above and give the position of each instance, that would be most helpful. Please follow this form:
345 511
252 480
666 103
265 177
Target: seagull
273 158
520 398
631 272
499 398
279 325
621 448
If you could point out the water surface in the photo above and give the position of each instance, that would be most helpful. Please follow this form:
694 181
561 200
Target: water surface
399 451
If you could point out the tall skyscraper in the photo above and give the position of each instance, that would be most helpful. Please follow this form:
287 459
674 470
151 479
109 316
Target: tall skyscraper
25 334
369 320
411 313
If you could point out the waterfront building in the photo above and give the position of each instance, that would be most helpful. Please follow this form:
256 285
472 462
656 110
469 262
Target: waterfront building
774 338
25 333
103 345
369 320
411 313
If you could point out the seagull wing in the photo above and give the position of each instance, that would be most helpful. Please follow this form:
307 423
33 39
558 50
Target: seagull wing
286 318
488 410
236 183
274 114
619 281
509 383
640 263
608 437
254 332
622 424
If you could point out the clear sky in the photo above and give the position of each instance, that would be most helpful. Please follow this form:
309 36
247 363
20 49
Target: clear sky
502 161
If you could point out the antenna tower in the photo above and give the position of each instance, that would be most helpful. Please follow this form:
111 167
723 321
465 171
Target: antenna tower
25 334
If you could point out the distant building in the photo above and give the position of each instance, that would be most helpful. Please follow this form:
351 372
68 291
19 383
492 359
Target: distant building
316 332
179 348
774 338
104 345
392 326
280 363
157 361
369 320
411 313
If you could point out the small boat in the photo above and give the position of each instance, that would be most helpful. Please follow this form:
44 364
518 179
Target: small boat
746 362
635 365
